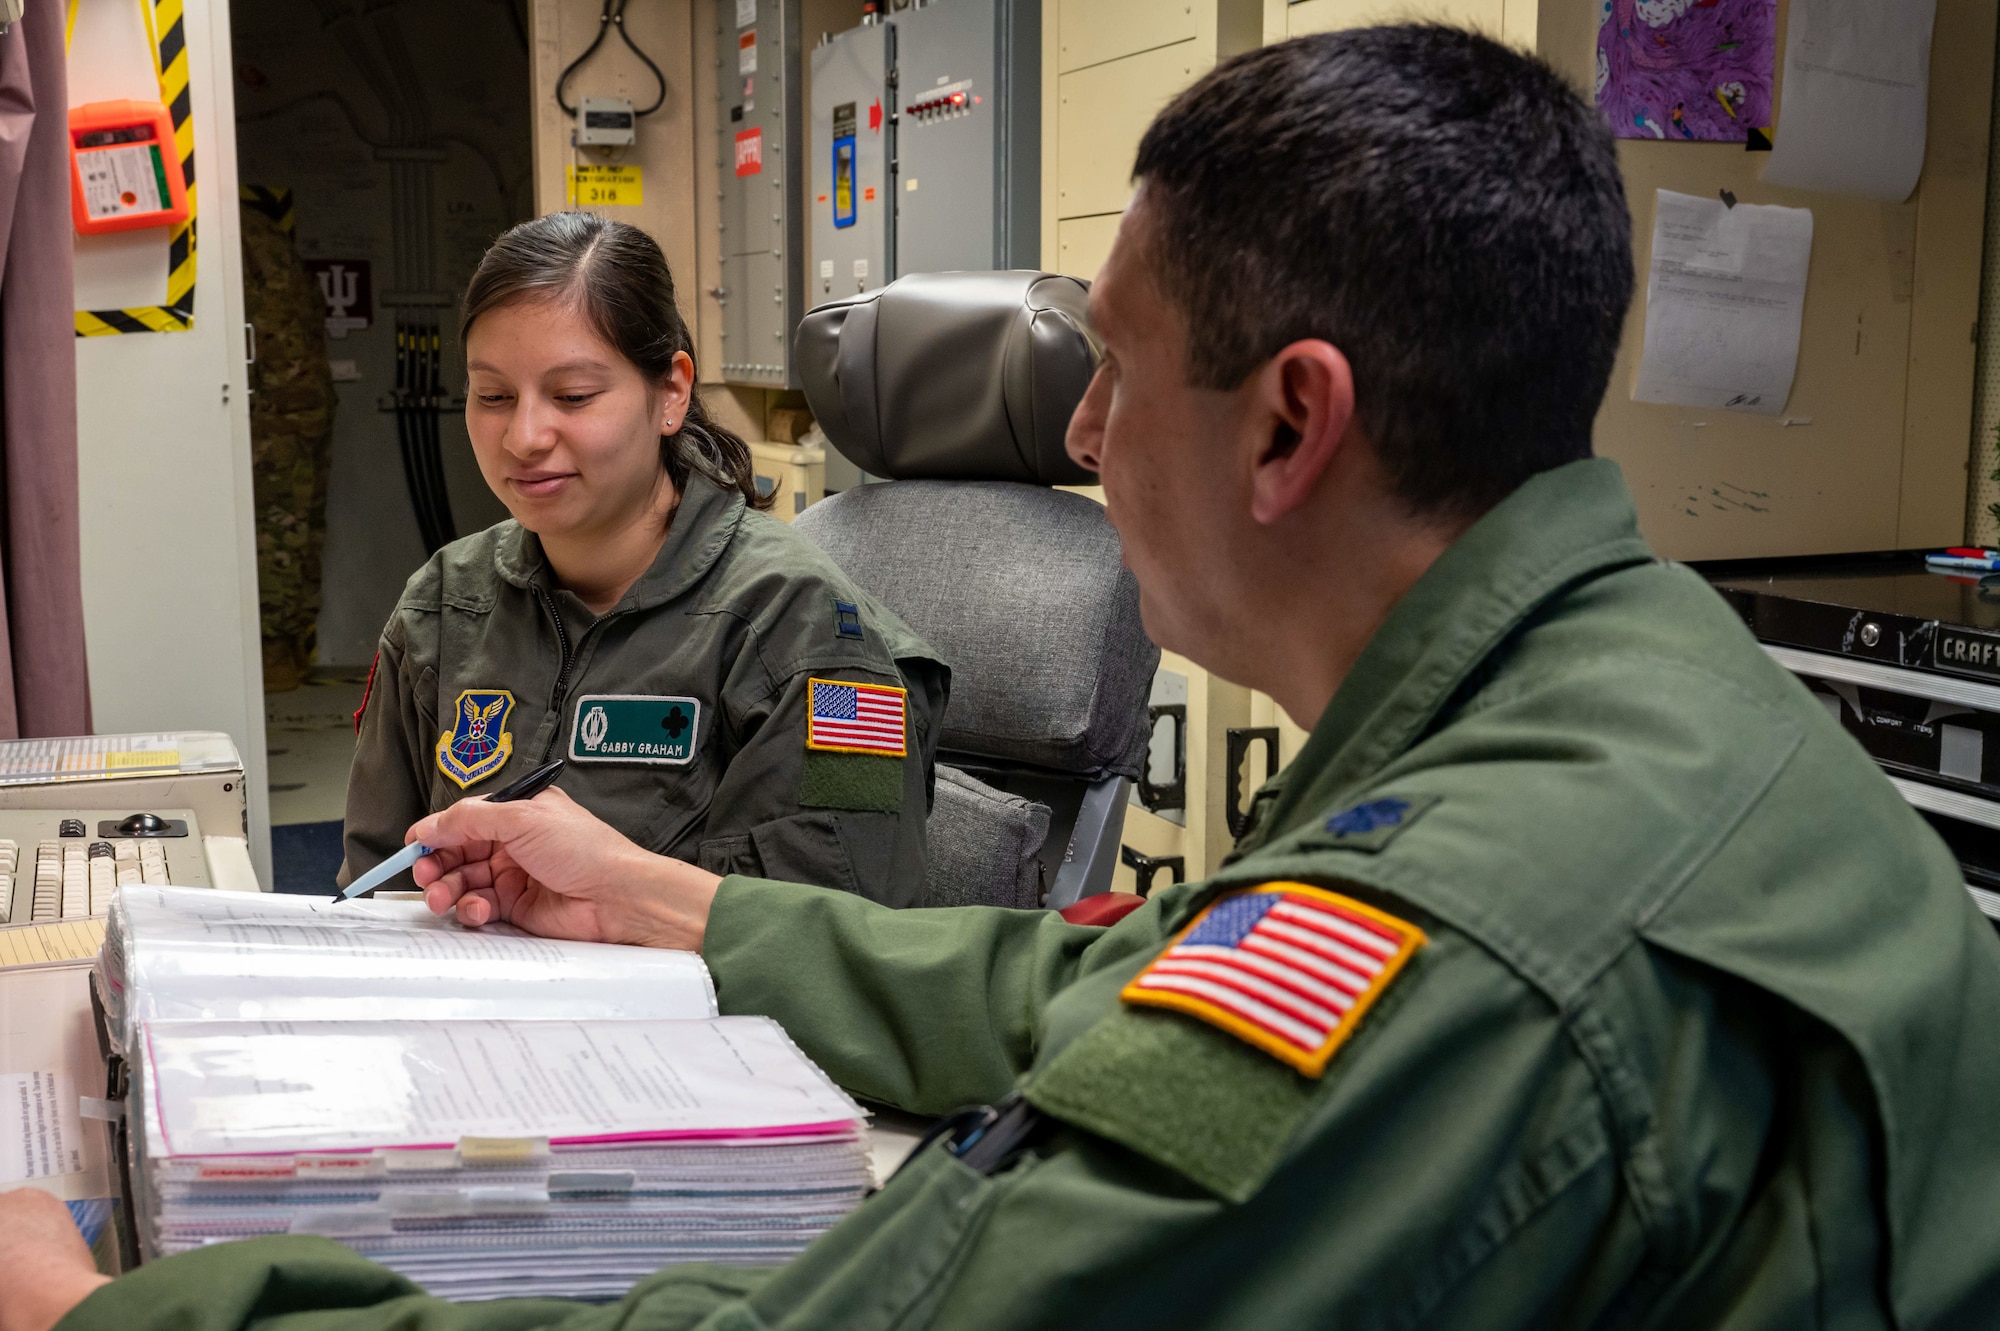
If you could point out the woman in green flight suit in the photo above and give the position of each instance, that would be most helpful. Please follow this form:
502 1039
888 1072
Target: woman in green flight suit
721 691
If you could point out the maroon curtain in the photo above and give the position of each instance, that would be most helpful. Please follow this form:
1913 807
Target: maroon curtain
44 686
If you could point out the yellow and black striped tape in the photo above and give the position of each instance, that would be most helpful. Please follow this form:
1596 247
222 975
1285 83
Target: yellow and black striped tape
169 38
275 202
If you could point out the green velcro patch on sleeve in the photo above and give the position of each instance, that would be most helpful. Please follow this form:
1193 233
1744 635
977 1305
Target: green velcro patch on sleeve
868 782
1182 1093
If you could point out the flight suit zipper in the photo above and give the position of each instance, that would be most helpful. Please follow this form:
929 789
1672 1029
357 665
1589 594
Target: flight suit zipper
562 673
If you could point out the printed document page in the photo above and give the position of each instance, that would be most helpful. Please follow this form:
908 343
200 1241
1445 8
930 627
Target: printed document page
224 1088
1856 97
47 1043
1725 298
189 953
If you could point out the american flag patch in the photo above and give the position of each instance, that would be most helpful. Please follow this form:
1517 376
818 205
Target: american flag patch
1285 967
855 718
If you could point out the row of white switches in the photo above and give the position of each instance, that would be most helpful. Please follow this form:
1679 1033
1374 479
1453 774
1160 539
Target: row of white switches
74 878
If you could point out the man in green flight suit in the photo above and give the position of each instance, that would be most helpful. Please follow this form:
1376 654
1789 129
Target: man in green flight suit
1579 972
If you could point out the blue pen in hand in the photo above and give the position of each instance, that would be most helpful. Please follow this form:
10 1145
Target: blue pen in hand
529 786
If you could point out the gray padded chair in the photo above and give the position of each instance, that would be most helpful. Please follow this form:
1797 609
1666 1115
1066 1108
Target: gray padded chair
959 386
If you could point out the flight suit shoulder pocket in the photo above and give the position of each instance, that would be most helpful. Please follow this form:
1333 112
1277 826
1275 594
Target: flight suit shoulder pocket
804 848
725 855
1180 1093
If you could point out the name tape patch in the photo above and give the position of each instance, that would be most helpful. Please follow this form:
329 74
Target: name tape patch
843 717
478 743
1287 968
635 728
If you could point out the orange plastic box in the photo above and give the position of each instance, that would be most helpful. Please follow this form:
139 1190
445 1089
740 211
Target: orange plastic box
124 173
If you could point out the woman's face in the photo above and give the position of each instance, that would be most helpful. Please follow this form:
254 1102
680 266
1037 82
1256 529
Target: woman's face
566 430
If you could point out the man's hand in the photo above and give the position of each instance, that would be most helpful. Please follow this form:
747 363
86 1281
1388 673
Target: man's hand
552 868
44 1268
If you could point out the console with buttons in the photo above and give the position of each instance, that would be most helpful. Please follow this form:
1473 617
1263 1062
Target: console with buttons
61 864
81 816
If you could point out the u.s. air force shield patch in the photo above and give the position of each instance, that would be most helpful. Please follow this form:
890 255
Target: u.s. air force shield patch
477 745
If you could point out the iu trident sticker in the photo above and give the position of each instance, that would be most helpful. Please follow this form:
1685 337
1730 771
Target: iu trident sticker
477 745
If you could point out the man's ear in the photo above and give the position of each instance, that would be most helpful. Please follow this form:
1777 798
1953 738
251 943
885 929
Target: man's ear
1303 398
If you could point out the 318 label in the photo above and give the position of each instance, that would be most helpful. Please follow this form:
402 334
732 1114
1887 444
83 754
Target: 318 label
598 185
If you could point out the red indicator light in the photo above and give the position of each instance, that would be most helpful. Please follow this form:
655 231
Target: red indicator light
958 99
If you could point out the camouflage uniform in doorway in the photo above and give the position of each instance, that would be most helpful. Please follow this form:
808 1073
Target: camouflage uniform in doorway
291 428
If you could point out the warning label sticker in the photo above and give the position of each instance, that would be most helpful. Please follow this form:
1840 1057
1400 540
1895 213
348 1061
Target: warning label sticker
749 152
122 181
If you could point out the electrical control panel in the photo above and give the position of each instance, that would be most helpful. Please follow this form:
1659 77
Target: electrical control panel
761 152
920 152
926 145
968 138
854 138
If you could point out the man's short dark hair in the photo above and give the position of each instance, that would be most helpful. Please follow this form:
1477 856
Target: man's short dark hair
1447 212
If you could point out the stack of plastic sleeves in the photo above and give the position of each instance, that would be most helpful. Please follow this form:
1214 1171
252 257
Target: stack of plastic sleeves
183 953
488 1113
503 1158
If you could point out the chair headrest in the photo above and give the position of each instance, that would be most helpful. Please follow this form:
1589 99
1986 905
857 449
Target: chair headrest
1020 588
953 376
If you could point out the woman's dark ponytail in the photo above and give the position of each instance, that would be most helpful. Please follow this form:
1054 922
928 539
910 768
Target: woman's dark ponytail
618 277
702 445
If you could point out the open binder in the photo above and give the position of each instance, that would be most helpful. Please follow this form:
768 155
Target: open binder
184 954
489 1113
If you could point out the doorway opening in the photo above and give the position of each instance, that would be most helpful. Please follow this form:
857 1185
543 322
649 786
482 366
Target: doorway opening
380 149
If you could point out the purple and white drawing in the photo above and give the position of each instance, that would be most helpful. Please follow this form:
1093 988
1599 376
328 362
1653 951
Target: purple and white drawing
1698 70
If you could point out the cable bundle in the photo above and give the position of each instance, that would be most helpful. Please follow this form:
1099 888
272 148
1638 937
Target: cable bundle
419 398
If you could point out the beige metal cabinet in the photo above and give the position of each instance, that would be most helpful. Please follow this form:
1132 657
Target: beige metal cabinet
1513 20
1095 31
1108 66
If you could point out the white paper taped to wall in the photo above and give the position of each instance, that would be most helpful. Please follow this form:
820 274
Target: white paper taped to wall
1724 299
1855 94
